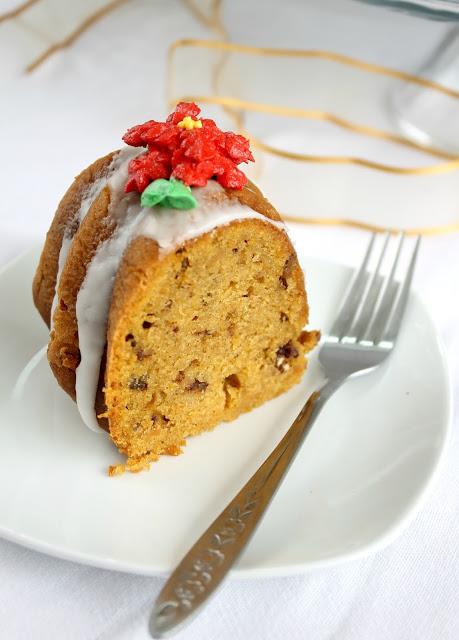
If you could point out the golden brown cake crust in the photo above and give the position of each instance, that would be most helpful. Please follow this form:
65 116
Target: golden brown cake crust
44 282
63 351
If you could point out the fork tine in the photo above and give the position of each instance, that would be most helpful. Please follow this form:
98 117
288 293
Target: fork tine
390 331
382 309
370 296
346 312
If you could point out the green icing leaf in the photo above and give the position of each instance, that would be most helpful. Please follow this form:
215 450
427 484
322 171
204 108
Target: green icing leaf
179 196
155 193
173 194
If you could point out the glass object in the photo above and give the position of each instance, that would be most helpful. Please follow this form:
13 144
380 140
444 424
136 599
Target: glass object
434 9
423 115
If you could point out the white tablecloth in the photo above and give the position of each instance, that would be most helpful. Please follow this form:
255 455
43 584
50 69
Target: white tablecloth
52 124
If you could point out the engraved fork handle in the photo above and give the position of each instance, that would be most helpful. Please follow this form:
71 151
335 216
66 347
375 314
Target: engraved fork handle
206 564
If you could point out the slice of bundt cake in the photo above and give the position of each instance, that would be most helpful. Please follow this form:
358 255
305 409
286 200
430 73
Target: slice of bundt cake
174 295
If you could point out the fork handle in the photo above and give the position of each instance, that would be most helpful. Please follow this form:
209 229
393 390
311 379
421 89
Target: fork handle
206 564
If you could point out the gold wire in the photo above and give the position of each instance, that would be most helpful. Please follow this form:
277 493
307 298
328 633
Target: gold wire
213 22
315 53
70 39
230 105
17 11
434 169
453 227
225 101
438 168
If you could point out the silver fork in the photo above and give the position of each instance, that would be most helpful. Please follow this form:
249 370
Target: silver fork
362 337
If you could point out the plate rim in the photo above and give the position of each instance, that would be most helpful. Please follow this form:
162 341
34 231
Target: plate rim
379 543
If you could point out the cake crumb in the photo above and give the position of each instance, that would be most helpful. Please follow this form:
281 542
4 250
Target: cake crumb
116 470
309 339
173 450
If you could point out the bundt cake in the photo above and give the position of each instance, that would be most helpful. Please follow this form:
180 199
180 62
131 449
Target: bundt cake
173 294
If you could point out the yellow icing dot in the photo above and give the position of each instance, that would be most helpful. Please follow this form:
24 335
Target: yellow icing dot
189 123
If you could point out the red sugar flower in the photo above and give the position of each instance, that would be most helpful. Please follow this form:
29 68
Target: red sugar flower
187 149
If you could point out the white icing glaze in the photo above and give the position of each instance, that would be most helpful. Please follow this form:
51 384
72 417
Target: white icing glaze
93 303
170 228
173 227
118 165
63 253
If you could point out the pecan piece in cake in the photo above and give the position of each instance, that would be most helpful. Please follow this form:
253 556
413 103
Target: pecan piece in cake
197 385
284 354
138 384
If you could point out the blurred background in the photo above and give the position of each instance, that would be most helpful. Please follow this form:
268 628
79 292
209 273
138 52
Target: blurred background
351 106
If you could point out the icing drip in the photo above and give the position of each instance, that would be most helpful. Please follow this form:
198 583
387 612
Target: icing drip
117 165
93 303
63 253
170 228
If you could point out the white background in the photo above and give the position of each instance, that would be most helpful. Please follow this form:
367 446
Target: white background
74 109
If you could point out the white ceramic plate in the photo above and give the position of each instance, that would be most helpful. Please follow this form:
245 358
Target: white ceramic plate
357 481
